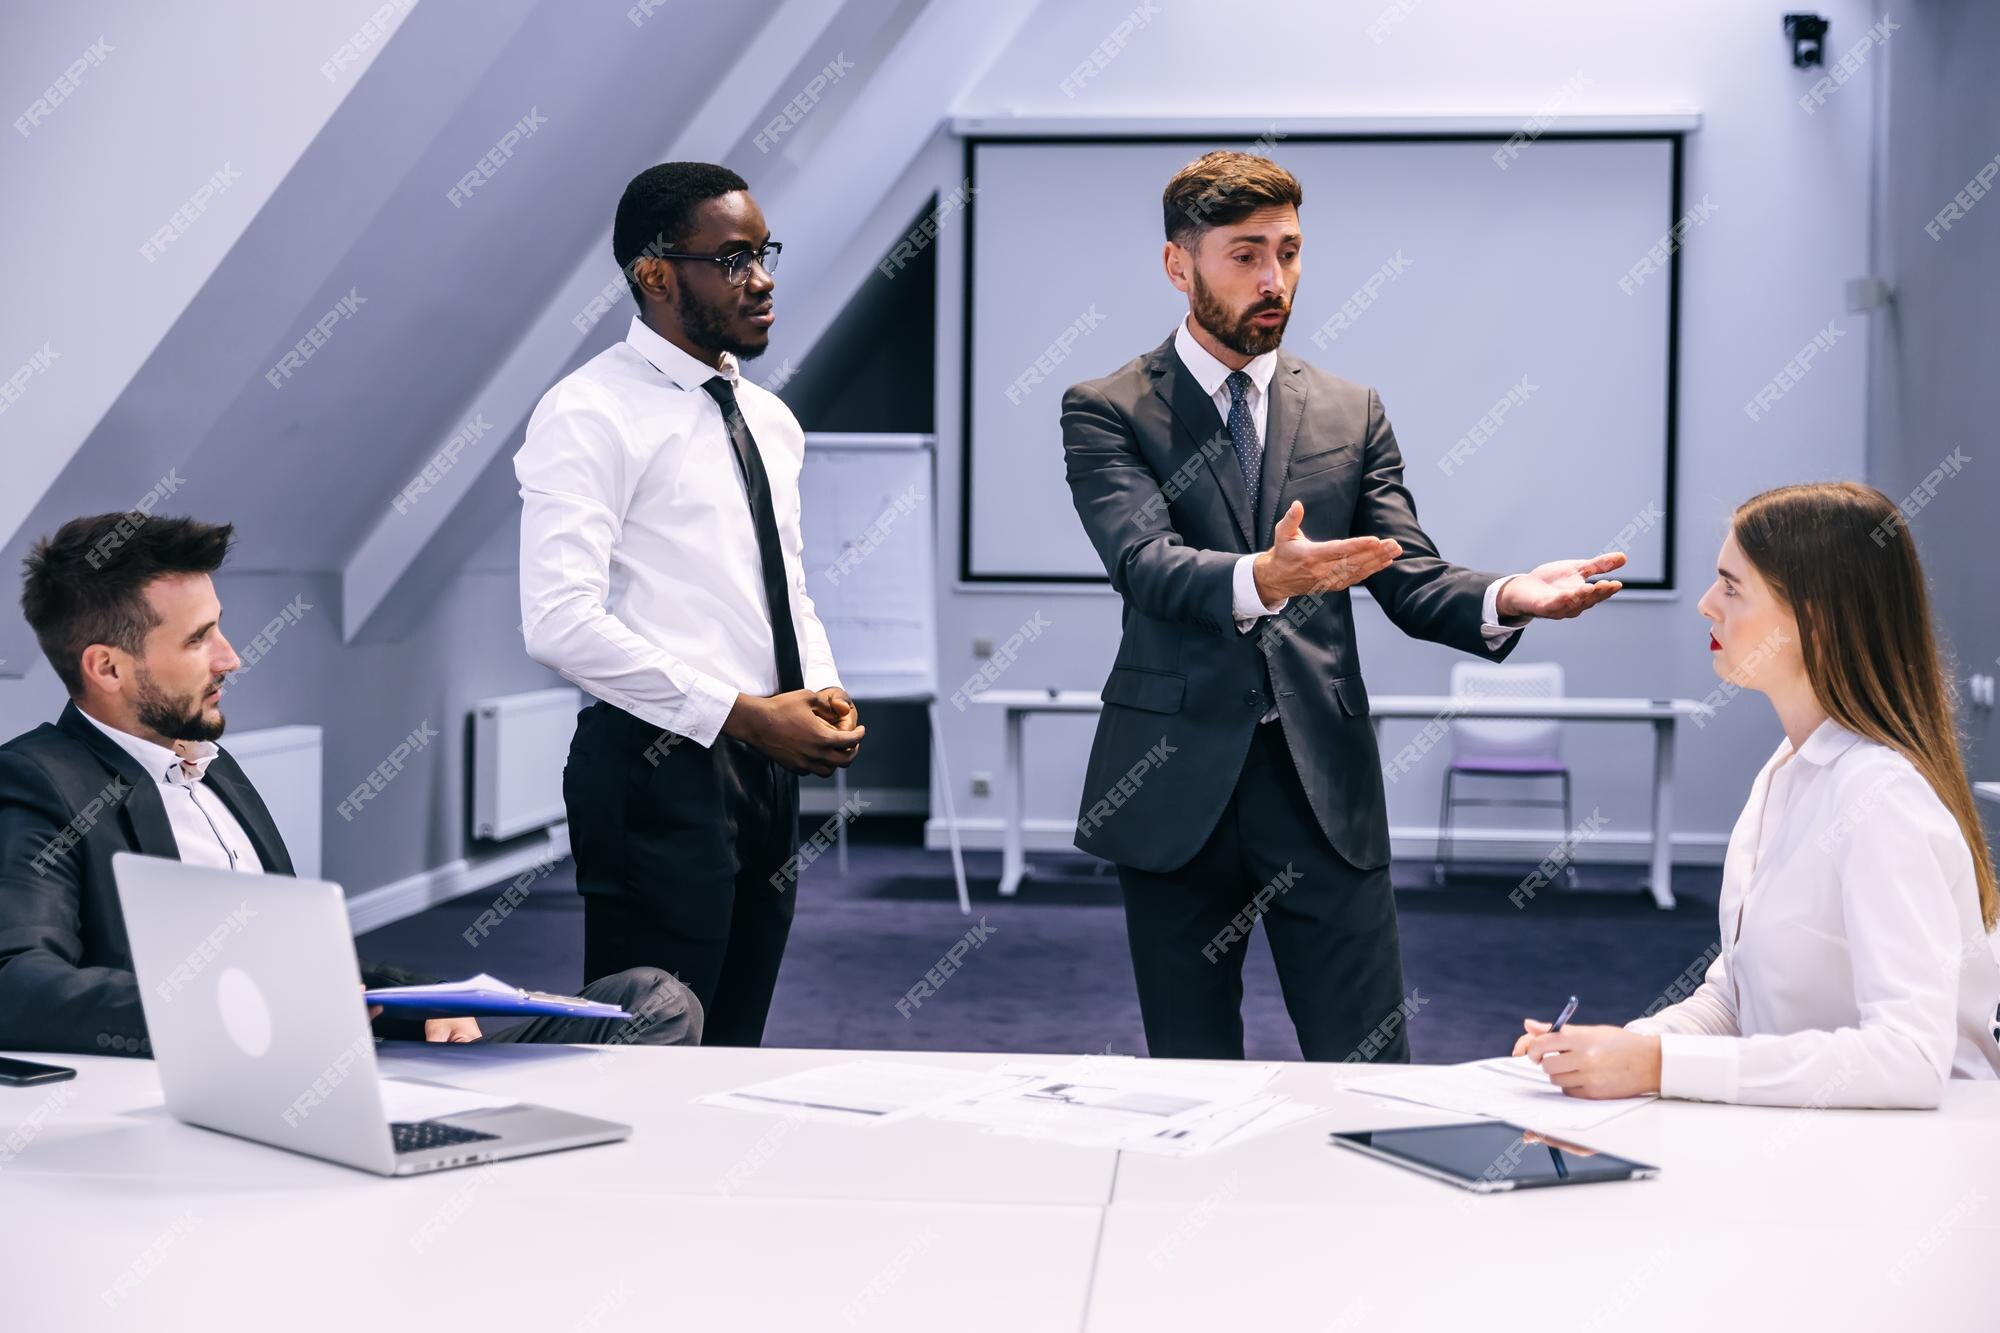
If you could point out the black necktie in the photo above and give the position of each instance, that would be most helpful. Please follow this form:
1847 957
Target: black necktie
777 592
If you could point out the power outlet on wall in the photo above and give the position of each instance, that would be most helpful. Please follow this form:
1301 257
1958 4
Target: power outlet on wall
982 647
1980 686
982 784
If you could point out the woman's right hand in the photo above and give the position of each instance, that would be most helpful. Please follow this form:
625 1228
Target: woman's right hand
1531 1028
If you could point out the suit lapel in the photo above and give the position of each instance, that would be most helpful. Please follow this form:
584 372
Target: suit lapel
1281 437
1196 413
228 781
151 830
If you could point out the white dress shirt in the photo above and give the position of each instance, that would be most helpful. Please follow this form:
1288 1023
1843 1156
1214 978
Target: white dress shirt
204 829
1213 377
641 581
1854 968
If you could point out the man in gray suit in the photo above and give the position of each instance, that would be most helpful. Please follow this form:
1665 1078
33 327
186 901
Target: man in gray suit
1235 494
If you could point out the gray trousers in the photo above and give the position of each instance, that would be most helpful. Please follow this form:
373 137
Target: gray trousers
664 1013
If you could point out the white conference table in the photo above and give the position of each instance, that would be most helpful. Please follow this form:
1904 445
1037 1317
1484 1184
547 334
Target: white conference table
1663 715
117 1216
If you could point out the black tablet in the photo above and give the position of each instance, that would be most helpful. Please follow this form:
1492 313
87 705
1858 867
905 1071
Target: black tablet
1488 1156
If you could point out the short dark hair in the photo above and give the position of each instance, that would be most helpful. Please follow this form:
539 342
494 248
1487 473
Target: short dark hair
87 584
656 211
1222 187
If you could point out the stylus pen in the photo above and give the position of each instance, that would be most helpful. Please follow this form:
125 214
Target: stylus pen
1564 1017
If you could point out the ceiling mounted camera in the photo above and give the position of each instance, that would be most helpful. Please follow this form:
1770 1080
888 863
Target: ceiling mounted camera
1808 34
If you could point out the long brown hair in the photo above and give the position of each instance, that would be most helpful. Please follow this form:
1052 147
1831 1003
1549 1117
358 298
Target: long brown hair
1840 555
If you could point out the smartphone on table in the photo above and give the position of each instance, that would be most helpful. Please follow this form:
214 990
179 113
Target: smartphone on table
25 1073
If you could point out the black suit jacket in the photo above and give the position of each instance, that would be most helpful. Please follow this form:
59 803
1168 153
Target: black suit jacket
1156 482
70 797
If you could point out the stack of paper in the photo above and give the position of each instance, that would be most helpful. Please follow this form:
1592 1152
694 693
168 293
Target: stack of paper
1098 1101
411 1099
859 1092
1226 1127
1510 1088
1108 1101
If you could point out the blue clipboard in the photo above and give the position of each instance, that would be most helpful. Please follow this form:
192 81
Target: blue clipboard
485 996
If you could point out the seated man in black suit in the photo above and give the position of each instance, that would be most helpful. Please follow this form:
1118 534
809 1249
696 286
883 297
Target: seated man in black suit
123 607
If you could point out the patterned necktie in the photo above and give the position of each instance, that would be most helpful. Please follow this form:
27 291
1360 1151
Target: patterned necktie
757 483
193 767
1243 433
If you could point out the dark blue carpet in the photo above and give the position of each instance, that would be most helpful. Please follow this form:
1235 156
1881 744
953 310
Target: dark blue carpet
1053 974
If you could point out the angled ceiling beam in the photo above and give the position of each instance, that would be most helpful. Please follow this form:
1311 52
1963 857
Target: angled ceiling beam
92 290
847 196
414 518
155 336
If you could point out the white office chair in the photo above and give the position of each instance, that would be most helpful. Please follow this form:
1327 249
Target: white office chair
1503 748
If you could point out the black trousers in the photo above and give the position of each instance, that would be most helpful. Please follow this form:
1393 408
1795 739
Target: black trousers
681 855
1332 929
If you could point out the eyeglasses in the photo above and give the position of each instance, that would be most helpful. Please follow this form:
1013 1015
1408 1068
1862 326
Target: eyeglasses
736 265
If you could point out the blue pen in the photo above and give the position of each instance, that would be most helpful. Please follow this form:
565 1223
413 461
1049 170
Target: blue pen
1568 1011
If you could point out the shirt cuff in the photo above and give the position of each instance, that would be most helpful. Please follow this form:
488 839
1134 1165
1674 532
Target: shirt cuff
1489 615
1699 1067
708 705
1245 605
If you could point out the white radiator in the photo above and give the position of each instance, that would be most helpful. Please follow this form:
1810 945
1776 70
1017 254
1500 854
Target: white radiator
283 764
520 743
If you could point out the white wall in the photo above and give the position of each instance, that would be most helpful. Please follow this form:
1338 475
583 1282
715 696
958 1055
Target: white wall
1759 279
155 102
176 91
343 189
1935 392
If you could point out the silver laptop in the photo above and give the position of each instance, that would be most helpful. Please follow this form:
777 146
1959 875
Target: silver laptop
252 998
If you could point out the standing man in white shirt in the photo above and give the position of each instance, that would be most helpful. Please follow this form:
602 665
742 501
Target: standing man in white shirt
1235 493
661 572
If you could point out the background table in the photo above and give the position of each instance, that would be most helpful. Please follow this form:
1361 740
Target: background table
1017 704
1662 714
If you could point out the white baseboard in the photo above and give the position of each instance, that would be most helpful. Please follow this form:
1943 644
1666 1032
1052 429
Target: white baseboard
1408 843
819 798
427 888
1420 844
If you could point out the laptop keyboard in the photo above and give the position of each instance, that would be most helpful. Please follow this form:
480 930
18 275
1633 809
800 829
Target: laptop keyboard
419 1135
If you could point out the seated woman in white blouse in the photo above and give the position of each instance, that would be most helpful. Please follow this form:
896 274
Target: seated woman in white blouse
1857 966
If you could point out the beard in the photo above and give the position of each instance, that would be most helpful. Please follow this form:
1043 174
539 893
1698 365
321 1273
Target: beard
178 719
1237 332
707 326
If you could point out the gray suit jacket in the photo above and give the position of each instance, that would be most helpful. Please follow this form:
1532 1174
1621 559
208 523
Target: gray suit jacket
1156 482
